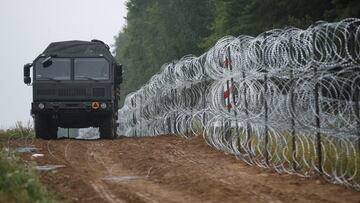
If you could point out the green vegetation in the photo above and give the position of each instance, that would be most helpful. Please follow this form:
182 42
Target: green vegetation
18 183
19 131
251 17
159 31
338 158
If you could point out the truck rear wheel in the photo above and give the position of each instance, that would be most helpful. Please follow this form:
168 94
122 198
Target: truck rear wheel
44 128
108 128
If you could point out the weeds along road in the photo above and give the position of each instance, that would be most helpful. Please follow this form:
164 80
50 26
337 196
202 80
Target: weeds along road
167 169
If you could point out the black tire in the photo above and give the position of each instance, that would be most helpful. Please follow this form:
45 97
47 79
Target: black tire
108 128
44 128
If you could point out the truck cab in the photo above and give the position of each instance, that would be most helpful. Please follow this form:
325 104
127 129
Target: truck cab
75 85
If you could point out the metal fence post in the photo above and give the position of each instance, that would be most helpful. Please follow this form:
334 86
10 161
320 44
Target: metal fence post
169 118
186 124
357 111
232 87
266 109
317 120
292 120
248 130
134 114
266 120
204 107
292 111
174 115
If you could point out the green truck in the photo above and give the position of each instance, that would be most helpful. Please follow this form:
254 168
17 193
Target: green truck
75 84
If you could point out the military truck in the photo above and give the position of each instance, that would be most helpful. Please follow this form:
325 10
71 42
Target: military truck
75 85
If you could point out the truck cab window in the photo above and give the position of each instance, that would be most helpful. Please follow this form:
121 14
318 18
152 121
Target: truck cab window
91 68
60 69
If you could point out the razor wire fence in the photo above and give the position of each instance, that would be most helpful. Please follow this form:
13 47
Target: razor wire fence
287 99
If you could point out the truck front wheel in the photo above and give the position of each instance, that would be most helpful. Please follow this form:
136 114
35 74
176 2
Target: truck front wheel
108 128
44 128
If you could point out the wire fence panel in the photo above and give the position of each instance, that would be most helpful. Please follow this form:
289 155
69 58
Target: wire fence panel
287 99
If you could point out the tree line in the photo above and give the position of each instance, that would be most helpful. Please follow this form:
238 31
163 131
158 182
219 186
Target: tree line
159 31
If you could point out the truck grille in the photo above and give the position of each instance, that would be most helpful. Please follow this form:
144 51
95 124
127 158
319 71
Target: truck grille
44 92
70 92
98 92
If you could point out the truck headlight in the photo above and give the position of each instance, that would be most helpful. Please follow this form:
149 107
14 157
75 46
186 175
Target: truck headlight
41 106
103 105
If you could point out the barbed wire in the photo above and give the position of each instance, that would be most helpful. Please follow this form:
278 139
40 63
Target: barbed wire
287 99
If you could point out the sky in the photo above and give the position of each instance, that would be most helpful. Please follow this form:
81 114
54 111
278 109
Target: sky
28 26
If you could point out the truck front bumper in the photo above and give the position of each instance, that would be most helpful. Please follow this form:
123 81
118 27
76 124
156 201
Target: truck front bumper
74 114
86 106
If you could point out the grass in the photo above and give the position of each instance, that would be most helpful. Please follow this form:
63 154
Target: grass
340 156
18 182
20 130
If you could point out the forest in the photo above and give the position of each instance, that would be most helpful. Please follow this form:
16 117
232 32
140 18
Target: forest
160 31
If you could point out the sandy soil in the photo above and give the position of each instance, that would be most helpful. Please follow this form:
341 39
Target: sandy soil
167 169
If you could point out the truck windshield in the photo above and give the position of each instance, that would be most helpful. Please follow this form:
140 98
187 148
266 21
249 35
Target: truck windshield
60 69
91 69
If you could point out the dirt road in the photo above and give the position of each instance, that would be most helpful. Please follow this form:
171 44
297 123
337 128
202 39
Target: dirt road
167 169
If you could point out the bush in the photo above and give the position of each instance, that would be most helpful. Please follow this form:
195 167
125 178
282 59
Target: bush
18 183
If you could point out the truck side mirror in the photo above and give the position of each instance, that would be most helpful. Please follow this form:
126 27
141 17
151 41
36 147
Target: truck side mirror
27 78
118 73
